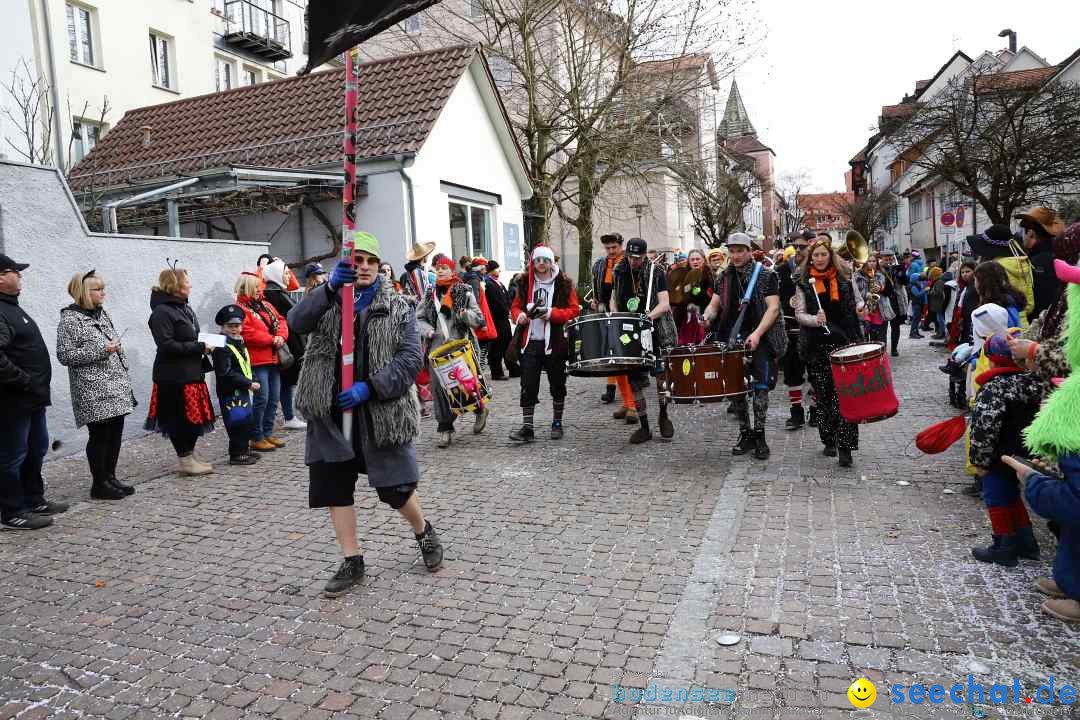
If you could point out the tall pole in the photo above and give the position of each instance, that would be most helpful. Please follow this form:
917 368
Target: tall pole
348 238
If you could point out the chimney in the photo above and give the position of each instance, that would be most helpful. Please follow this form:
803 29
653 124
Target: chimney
146 130
1011 34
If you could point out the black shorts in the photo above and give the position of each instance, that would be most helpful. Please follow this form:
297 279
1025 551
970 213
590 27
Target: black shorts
334 485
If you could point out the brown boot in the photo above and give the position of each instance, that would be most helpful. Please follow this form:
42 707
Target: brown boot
631 417
1048 587
276 442
1065 609
620 413
263 446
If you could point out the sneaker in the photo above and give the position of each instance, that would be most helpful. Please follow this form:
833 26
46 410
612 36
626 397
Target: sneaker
745 443
263 446
294 424
350 572
276 442
243 459
444 439
49 508
481 421
1065 609
524 434
1048 587
27 521
556 431
126 489
430 547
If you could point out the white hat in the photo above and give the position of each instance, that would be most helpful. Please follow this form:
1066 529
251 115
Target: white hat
987 320
543 251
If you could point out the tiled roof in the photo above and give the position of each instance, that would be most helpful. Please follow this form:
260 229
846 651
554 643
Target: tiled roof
899 111
293 123
736 121
746 144
1015 80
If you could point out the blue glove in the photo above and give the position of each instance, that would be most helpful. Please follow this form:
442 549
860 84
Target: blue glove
343 274
355 396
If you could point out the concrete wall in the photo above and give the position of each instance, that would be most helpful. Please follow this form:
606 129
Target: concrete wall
40 225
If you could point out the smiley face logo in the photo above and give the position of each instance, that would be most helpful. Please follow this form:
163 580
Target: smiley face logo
862 693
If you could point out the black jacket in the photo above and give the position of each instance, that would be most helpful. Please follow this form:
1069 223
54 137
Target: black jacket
279 298
1047 286
175 329
227 369
25 367
498 299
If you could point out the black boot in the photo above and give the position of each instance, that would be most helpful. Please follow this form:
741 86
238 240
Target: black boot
746 443
797 419
126 489
104 491
845 457
1027 546
667 430
643 433
761 449
430 547
1002 551
609 395
812 420
348 574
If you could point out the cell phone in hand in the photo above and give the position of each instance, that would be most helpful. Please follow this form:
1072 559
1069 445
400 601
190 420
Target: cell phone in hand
1050 473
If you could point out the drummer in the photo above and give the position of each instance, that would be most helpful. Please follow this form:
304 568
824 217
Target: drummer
828 317
545 301
631 295
603 280
766 341
794 367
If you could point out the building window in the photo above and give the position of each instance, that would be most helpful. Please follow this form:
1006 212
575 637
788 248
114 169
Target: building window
470 230
161 60
249 76
84 136
80 34
412 24
476 8
915 209
502 71
224 74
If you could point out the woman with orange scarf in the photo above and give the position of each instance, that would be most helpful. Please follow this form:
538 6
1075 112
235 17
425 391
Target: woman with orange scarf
827 308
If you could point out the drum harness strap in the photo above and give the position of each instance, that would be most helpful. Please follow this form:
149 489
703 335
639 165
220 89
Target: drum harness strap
743 304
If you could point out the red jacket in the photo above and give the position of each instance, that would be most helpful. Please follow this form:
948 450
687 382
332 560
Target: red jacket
257 335
564 308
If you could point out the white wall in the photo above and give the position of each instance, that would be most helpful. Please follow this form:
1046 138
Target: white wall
41 225
16 43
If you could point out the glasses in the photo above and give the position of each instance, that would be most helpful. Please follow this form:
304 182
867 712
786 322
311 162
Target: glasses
541 260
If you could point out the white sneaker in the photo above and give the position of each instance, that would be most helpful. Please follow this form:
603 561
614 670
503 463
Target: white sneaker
295 424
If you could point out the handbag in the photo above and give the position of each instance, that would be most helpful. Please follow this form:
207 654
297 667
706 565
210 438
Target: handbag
285 357
513 351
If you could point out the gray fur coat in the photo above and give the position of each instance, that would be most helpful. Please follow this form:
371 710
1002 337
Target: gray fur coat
100 386
388 358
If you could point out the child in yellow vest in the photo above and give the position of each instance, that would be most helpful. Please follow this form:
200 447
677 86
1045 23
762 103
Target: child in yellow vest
232 366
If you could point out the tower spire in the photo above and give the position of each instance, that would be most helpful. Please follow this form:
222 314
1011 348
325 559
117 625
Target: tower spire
736 122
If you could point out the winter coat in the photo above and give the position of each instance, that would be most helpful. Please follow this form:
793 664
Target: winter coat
498 299
25 368
564 308
227 369
283 303
100 386
898 290
259 333
842 319
460 324
388 358
1060 500
1004 406
1047 287
175 329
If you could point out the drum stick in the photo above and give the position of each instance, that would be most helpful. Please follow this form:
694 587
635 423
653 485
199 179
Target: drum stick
648 292
825 327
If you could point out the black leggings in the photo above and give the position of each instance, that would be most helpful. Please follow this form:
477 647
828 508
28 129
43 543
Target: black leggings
103 447
184 443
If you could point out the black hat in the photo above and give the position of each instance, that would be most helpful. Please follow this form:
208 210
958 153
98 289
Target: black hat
808 234
636 247
992 242
7 263
314 269
228 314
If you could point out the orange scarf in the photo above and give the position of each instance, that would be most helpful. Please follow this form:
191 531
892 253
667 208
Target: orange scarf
447 283
609 278
819 282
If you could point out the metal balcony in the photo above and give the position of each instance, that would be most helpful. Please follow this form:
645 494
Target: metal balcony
257 30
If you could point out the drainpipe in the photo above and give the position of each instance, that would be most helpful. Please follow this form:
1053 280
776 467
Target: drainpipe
300 224
57 129
409 189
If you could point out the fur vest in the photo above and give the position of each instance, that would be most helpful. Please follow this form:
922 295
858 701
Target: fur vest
395 421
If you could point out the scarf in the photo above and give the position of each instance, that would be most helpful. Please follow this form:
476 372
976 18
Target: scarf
444 285
364 296
257 306
819 282
609 278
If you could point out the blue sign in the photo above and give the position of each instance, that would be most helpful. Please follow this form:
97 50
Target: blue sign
512 247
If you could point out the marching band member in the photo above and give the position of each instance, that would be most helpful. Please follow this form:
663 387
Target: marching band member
717 261
794 367
545 301
767 342
386 415
631 294
456 317
603 280
828 315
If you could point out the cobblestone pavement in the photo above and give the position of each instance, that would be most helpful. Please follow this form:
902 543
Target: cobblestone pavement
572 568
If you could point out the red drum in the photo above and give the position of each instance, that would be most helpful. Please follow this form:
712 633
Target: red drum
864 382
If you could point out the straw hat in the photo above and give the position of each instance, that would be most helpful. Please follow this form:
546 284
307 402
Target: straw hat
419 251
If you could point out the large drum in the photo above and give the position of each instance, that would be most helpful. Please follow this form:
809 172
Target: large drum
604 344
705 373
864 382
458 376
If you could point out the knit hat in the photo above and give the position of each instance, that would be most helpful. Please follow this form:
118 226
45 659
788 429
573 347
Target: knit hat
275 272
367 243
229 314
987 320
446 262
479 261
935 273
716 251
543 251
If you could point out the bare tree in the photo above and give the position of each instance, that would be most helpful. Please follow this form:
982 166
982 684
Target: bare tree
31 114
718 198
865 213
791 186
1005 140
80 127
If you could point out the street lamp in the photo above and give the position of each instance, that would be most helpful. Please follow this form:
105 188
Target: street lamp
639 210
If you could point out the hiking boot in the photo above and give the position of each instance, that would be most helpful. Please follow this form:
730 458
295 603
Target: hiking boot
105 491
276 442
1002 551
845 457
350 572
444 439
1027 546
556 430
667 430
243 459
632 417
797 419
49 508
640 435
829 451
761 449
746 443
430 547
481 421
187 465
812 419
263 446
609 395
1065 609
523 434
621 413
126 489
27 521
1048 587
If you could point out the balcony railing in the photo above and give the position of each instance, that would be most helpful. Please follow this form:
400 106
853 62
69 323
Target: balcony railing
257 30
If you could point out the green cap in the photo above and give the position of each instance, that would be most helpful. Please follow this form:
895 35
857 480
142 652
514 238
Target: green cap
366 242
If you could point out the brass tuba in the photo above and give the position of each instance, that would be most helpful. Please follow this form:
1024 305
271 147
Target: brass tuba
855 248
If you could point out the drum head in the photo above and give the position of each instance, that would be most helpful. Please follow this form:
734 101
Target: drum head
857 352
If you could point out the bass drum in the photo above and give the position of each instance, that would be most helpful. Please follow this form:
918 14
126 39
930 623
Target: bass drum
603 344
705 373
864 382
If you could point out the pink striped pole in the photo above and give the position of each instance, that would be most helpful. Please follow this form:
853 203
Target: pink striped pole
348 239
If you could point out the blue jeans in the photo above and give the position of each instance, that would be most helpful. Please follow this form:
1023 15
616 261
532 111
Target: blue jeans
286 401
264 404
24 440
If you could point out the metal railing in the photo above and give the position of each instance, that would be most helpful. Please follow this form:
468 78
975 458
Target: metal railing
248 18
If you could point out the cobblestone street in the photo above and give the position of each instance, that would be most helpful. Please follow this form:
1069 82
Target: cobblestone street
574 570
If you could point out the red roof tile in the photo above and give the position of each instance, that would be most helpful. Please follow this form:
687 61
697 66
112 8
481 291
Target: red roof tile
746 144
899 111
292 123
1015 80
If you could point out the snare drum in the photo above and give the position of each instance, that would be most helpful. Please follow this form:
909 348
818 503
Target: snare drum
864 382
705 373
458 354
603 344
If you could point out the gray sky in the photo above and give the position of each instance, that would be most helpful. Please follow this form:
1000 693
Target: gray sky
825 68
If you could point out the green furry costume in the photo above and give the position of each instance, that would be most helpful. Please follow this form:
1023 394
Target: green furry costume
1056 429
